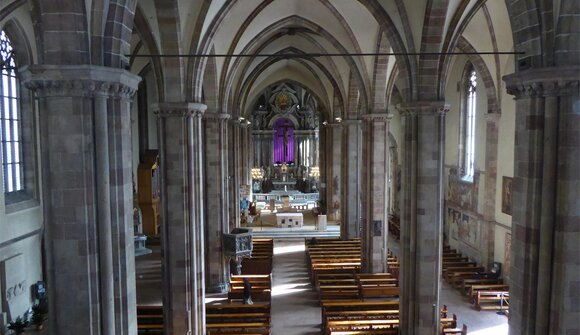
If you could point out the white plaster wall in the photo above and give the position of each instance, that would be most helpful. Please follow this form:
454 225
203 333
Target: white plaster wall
505 164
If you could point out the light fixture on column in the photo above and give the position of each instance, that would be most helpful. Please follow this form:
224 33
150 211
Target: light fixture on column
257 173
314 172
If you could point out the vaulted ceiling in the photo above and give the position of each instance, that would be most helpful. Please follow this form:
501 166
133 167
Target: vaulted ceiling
317 26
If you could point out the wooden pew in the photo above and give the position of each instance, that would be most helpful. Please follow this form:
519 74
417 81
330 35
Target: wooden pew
455 331
237 318
355 305
261 287
378 285
462 272
150 320
491 287
492 300
466 285
354 325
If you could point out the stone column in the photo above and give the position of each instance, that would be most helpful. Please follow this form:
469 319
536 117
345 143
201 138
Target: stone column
421 216
491 161
334 175
351 179
234 173
217 216
85 130
245 157
181 162
374 194
546 188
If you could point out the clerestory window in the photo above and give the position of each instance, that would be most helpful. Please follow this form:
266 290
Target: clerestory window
10 121
467 131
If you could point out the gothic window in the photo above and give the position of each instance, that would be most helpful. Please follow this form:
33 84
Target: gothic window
10 121
467 128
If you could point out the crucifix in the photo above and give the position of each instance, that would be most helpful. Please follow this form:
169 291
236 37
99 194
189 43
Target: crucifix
286 127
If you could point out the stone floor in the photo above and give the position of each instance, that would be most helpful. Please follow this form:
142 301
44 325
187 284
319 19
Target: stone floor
295 309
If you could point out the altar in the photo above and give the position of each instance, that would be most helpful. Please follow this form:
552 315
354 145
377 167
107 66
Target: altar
289 220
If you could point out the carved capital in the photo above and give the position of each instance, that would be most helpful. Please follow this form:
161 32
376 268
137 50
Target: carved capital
179 109
543 82
378 117
423 108
220 117
79 81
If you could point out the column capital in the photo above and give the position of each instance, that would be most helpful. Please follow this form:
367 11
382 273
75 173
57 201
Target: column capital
179 109
549 81
221 117
79 81
423 108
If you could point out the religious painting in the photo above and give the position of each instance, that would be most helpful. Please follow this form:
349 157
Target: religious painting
463 193
506 195
378 228
507 263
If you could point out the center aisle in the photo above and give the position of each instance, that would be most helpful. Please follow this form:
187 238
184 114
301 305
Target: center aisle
295 309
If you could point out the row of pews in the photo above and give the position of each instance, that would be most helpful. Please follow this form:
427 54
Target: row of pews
233 317
483 289
353 303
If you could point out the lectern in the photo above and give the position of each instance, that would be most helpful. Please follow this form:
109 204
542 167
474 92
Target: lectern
148 192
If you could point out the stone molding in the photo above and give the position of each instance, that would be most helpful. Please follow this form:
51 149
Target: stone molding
423 108
351 122
533 83
221 117
377 117
334 125
263 132
79 81
179 109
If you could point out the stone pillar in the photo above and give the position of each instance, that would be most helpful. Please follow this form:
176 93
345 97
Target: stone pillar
217 216
546 188
491 162
334 164
351 179
245 157
234 173
374 194
181 162
421 216
85 131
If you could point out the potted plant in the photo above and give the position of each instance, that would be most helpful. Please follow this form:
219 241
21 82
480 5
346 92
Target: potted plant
39 315
19 324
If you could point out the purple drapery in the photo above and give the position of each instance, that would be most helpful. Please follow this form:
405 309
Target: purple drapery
283 141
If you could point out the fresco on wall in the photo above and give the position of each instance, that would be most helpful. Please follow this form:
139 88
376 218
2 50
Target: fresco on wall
469 230
454 220
461 193
507 263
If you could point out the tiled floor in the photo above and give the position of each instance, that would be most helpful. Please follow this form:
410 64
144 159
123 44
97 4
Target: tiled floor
295 308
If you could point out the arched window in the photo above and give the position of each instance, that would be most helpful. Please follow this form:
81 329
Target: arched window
467 130
10 121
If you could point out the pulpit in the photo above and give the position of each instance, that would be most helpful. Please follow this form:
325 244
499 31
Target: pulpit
238 244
